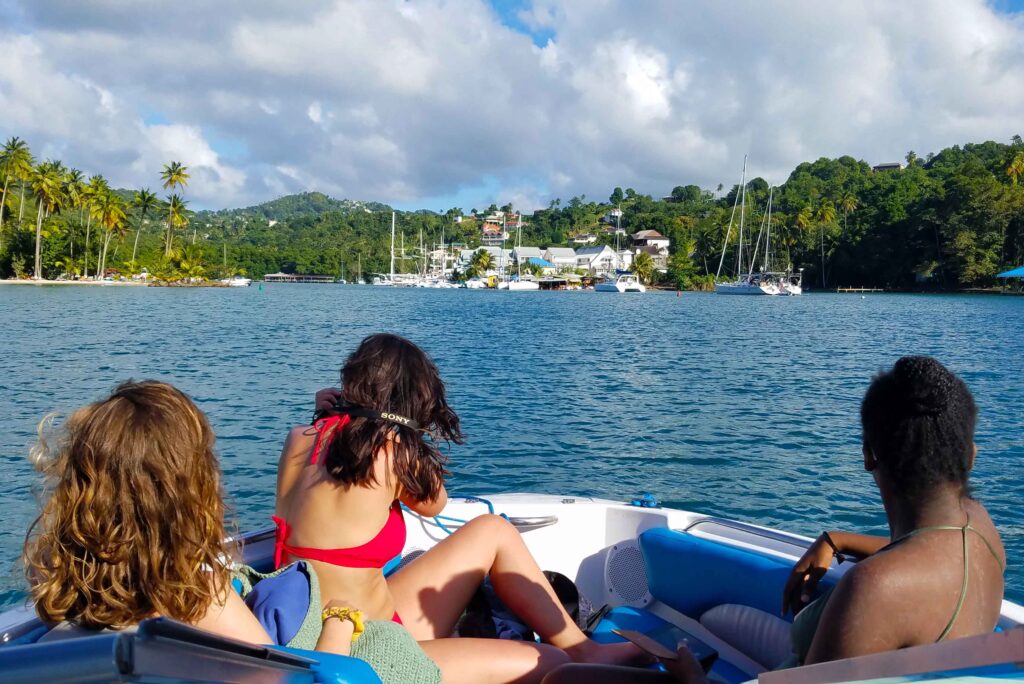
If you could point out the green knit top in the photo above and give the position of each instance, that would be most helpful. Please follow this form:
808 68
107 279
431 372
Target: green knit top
386 646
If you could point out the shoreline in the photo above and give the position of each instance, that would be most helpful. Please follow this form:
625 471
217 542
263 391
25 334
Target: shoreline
84 283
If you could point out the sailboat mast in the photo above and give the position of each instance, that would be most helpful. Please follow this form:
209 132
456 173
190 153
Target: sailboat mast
519 244
728 231
768 238
392 246
743 206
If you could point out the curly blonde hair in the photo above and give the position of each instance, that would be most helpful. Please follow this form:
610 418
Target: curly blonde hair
134 523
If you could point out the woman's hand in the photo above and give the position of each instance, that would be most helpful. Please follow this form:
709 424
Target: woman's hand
806 574
336 635
686 669
326 399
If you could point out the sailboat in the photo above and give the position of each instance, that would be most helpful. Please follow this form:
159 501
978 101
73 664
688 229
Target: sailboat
520 285
748 281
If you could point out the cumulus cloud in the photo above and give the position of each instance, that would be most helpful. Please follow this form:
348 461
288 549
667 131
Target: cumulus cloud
407 102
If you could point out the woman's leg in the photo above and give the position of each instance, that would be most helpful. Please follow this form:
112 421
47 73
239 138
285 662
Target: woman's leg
493 661
432 591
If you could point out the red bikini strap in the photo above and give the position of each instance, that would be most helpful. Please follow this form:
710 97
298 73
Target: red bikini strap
280 539
326 427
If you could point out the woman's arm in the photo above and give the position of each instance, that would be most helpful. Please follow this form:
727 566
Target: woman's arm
297 446
336 635
812 566
429 508
862 545
233 619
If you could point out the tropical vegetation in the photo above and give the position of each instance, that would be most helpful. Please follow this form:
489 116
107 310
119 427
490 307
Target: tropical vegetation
945 221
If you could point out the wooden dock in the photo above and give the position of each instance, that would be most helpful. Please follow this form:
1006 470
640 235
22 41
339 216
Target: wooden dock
857 290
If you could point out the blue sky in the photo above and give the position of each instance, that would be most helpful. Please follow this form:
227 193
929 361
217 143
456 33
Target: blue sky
440 103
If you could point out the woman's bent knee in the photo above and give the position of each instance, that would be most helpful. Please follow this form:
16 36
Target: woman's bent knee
490 524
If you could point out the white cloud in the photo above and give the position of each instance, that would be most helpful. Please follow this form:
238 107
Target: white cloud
402 101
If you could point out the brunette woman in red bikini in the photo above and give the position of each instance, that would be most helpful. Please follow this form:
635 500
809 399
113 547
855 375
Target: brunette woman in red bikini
339 488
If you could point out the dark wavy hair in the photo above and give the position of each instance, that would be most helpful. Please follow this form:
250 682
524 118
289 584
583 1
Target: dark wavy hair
918 420
390 374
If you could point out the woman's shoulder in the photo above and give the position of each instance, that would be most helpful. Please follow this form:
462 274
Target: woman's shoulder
297 442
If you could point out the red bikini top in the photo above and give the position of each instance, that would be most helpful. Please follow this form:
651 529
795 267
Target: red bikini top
375 553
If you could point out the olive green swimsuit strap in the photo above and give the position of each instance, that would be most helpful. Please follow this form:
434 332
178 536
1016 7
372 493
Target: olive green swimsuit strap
963 587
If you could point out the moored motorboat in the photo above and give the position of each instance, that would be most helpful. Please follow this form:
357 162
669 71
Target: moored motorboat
662 571
237 281
523 285
626 282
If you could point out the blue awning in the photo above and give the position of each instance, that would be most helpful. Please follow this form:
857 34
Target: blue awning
536 261
1015 273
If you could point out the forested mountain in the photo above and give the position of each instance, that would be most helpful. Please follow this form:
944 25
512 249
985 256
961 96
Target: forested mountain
947 221
290 206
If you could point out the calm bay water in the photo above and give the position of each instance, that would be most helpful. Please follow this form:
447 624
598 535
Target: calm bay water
740 406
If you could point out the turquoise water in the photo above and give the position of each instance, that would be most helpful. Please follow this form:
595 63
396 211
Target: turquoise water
739 406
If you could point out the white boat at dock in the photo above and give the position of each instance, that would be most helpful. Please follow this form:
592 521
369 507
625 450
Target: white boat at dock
237 281
624 283
669 573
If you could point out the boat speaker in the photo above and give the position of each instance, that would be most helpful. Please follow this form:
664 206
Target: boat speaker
625 576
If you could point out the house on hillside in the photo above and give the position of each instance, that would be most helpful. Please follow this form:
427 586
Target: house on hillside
546 267
659 255
650 238
500 258
585 239
523 254
891 166
599 260
561 257
613 216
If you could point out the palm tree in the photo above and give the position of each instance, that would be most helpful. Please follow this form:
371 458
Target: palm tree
911 158
482 261
15 165
1016 168
177 218
93 192
49 192
111 215
643 267
848 204
804 218
173 176
145 202
826 216
74 190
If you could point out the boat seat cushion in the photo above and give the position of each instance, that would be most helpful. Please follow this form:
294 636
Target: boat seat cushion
692 574
761 636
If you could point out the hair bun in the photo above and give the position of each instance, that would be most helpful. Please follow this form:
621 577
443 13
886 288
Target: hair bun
926 385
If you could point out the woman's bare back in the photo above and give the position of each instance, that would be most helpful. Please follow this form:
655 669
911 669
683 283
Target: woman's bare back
323 514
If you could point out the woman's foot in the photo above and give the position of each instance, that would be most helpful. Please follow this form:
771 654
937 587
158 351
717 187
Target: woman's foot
623 653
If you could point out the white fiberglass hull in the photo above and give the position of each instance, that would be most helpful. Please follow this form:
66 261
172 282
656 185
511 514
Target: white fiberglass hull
523 286
620 286
747 289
